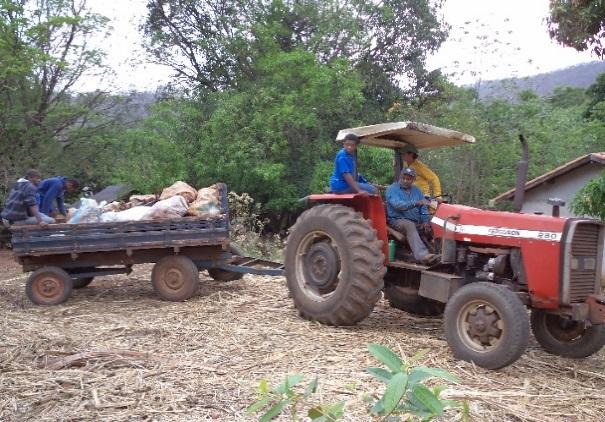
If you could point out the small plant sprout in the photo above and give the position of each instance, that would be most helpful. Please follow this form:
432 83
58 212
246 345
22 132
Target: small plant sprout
406 396
274 401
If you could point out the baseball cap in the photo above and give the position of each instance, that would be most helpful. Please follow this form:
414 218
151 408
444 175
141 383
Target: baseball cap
408 171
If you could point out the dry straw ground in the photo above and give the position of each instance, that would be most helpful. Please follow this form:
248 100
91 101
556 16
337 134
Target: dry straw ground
116 352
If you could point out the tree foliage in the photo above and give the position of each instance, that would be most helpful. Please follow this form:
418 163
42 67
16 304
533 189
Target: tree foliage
590 200
44 51
579 24
215 43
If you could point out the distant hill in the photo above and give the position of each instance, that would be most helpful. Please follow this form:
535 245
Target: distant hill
579 76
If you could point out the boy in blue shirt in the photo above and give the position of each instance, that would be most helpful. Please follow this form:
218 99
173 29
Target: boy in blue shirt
52 190
345 178
406 208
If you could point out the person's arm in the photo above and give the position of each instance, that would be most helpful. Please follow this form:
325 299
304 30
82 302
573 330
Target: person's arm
34 211
425 172
353 184
61 202
396 202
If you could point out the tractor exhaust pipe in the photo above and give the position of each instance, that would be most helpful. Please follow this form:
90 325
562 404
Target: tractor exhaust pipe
521 176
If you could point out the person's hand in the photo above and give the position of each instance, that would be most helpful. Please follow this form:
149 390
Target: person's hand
42 223
422 202
363 193
379 187
439 199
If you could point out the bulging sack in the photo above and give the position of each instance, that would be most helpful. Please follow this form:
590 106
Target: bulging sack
173 207
207 203
181 189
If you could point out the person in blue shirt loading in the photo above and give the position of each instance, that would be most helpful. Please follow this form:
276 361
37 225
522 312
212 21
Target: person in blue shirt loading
53 189
345 178
406 208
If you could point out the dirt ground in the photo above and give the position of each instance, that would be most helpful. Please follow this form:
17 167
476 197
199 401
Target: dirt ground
116 352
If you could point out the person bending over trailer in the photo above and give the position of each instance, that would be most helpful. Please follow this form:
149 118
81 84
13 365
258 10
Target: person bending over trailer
53 190
345 178
20 207
407 208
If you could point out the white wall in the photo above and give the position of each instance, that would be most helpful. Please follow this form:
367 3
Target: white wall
563 187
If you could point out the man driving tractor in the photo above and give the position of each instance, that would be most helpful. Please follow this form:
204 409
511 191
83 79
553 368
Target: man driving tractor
407 208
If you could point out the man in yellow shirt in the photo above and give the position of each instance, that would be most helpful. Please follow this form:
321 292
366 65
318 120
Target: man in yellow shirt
426 180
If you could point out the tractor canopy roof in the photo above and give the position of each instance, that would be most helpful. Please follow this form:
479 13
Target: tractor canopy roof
399 134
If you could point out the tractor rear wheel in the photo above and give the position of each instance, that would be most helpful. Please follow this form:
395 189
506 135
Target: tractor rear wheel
48 286
334 265
487 324
564 337
401 290
224 275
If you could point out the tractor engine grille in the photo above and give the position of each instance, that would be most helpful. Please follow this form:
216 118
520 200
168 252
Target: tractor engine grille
585 261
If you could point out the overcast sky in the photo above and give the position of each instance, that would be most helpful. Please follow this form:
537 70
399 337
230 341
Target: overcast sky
488 40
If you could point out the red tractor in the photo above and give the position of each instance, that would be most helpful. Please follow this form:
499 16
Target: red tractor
494 266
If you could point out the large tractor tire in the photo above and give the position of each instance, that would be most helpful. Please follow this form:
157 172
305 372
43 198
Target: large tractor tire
563 337
401 290
175 278
49 286
487 324
224 275
334 265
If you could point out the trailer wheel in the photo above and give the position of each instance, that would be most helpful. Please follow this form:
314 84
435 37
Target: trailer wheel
224 275
334 265
401 290
487 324
175 278
79 282
48 286
564 337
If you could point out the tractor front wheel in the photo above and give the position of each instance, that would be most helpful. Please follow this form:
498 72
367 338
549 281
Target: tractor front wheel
564 337
487 324
334 265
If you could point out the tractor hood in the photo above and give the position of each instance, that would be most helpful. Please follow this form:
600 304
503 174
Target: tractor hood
398 134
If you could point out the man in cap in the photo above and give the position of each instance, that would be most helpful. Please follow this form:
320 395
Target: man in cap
345 178
407 208
426 180
20 207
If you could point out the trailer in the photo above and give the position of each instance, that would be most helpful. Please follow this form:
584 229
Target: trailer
62 257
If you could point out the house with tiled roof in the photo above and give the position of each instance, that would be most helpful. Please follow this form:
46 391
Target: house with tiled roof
561 183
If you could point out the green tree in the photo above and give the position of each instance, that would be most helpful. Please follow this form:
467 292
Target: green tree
44 51
578 23
214 43
590 200
269 137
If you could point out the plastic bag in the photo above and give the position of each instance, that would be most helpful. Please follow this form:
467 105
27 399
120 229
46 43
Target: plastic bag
132 214
89 212
179 188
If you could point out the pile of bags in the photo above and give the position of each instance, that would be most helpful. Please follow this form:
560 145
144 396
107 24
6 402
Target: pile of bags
176 201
